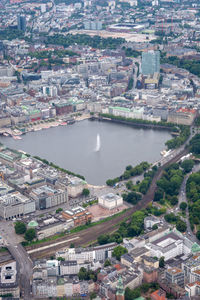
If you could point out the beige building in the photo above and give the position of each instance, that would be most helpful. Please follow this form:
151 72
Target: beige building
76 187
185 117
110 201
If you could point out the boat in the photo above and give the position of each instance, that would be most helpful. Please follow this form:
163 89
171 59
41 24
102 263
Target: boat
70 122
5 134
165 153
16 137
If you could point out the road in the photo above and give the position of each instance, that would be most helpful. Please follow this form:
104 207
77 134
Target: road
20 255
85 237
88 236
183 198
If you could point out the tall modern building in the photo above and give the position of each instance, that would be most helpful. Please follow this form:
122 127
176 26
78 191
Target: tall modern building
150 62
21 23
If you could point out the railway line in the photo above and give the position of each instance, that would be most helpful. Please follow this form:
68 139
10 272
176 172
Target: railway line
89 235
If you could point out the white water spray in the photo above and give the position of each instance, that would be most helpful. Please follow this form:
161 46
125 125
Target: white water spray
98 143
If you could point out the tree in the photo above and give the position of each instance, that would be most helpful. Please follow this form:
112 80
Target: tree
85 192
162 262
198 234
181 226
183 206
60 259
107 263
82 274
155 226
59 210
93 295
71 245
20 227
187 165
30 234
103 239
174 200
119 251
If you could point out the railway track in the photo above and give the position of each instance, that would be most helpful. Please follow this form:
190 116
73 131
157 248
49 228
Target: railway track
87 236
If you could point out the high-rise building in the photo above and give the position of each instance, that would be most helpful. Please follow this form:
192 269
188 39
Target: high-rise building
21 23
92 25
150 62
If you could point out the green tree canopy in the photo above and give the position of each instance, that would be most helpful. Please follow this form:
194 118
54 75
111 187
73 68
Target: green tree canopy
85 192
187 165
162 262
30 234
183 206
119 251
20 227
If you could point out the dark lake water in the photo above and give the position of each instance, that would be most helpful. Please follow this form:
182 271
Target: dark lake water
73 147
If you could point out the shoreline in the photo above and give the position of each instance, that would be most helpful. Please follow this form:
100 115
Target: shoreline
59 122
8 132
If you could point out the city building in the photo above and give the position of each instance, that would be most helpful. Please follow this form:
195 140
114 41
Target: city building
193 289
21 23
170 245
15 205
175 275
46 197
150 221
150 62
90 254
110 201
9 280
49 226
78 214
158 295
76 187
93 25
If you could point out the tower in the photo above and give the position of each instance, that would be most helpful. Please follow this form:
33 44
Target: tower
150 62
21 23
120 290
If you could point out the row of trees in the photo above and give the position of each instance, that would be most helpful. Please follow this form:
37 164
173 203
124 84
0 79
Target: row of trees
132 228
193 196
176 220
193 66
195 144
84 39
129 172
141 290
20 228
169 184
170 126
153 210
172 143
130 52
179 140
49 54
11 34
85 274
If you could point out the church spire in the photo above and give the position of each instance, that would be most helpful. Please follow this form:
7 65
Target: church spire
120 289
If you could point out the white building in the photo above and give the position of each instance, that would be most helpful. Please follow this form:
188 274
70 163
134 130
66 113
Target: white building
87 254
150 221
170 246
14 205
76 187
110 201
193 289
